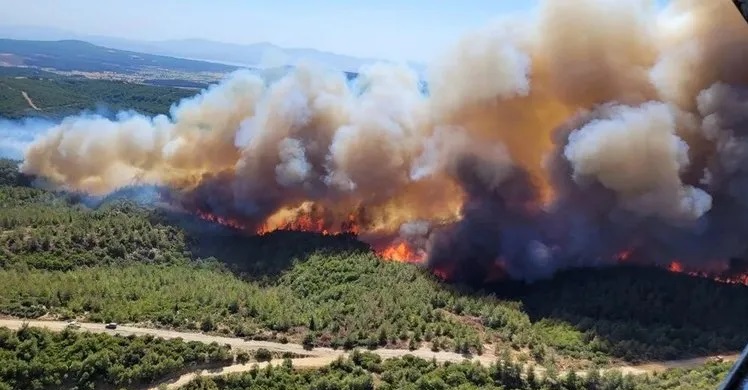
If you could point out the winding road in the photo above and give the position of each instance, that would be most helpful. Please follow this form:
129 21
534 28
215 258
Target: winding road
29 101
317 357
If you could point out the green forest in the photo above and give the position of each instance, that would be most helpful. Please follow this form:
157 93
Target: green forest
121 261
57 96
68 55
364 371
33 358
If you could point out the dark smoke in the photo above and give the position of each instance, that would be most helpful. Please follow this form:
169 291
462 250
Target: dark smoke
598 131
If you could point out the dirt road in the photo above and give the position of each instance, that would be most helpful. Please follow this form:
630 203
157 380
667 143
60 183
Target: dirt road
309 362
321 361
671 364
318 357
29 101
235 343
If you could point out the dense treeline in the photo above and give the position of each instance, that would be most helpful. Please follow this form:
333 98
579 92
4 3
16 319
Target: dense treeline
44 232
364 371
330 290
10 178
126 263
33 358
176 83
344 309
57 97
69 55
643 313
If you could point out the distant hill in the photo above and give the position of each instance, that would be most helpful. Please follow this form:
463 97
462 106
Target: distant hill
73 55
258 55
57 96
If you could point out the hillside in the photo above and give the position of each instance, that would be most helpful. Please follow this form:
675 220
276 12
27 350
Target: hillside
127 263
33 358
72 359
254 54
560 208
72 55
368 371
54 96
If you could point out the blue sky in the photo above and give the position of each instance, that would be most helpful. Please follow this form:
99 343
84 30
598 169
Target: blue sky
391 29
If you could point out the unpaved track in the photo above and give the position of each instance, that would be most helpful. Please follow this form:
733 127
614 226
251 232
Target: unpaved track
310 362
29 101
236 343
318 357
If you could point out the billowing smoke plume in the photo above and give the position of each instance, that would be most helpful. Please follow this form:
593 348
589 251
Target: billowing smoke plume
591 129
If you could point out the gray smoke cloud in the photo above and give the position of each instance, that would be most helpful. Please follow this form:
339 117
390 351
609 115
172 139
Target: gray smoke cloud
557 140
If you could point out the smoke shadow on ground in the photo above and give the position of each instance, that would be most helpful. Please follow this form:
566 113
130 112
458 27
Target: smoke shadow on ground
255 257
638 313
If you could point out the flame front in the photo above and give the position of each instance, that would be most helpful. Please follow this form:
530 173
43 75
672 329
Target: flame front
723 277
311 217
304 219
675 266
224 221
624 256
401 253
527 135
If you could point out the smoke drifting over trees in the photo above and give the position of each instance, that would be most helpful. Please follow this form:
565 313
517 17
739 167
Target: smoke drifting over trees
593 128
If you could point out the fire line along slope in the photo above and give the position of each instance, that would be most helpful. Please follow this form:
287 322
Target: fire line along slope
568 190
526 156
66 255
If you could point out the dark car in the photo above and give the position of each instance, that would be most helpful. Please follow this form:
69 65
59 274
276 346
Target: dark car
111 325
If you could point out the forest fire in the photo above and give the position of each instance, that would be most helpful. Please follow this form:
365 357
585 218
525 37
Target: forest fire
624 256
733 272
304 223
530 151
401 253
227 222
726 276
395 250
738 279
310 217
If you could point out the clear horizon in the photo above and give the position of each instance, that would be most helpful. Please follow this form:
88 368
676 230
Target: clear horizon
388 29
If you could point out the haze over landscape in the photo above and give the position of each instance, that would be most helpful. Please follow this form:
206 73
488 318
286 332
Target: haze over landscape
552 187
240 31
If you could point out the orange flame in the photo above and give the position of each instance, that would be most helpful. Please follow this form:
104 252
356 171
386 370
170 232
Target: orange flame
738 279
308 218
401 253
677 266
304 223
228 222
623 256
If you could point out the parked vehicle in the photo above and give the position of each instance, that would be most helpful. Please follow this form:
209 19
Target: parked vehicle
111 325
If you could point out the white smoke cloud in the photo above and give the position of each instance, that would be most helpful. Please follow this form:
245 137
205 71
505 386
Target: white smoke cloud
635 152
628 79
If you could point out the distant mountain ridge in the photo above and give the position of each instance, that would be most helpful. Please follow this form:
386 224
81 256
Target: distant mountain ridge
74 55
257 55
